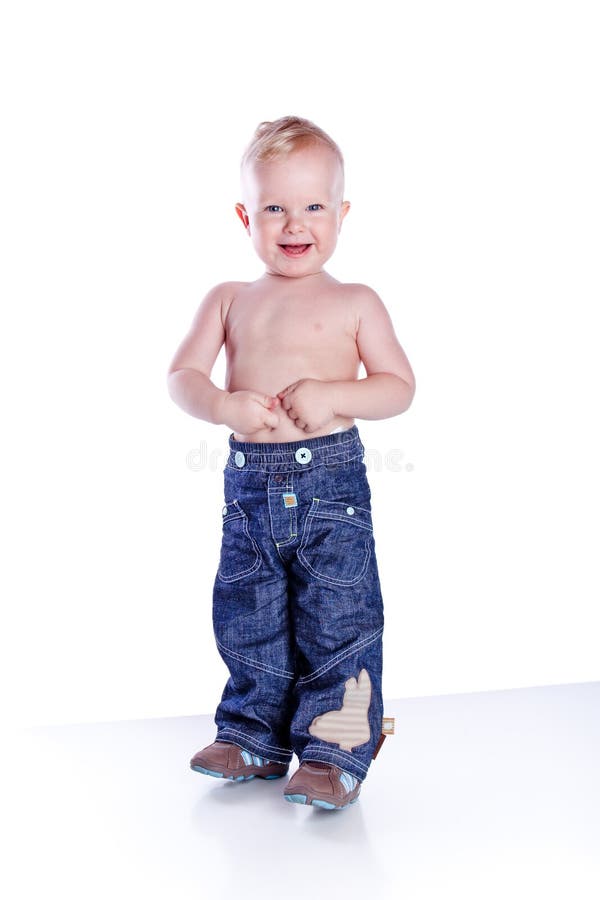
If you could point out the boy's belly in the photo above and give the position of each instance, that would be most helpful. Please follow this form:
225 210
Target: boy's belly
287 431
272 379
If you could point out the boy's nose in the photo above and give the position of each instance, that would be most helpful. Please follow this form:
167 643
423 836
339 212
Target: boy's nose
294 225
295 222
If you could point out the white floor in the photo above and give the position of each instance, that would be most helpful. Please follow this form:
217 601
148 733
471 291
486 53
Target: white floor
476 796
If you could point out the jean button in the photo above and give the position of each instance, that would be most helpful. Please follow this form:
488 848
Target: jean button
240 459
303 455
350 510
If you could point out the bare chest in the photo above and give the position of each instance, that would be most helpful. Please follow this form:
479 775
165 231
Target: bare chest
297 323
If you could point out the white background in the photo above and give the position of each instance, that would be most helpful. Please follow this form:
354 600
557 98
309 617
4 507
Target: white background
471 139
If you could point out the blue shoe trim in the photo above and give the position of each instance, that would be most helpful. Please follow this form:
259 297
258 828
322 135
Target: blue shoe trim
323 804
207 772
349 781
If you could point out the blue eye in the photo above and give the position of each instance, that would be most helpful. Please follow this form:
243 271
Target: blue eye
273 206
315 204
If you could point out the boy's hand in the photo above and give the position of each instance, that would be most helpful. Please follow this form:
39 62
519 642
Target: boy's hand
249 411
309 403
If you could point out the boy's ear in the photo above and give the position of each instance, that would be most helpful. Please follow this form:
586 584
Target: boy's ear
241 211
344 211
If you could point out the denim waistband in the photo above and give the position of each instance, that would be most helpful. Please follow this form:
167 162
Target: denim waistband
290 456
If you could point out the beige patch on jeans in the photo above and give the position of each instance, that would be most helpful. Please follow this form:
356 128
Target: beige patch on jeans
348 726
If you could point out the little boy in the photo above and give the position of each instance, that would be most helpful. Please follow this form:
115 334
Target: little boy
297 605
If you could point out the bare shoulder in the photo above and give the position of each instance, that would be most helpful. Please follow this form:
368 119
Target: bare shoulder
219 298
228 289
363 300
221 292
363 295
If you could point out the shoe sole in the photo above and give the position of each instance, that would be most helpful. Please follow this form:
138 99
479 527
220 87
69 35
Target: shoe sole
323 804
215 774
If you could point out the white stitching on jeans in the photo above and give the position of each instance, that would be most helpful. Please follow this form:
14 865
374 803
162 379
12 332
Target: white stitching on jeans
303 560
331 459
358 645
254 740
229 579
345 756
282 673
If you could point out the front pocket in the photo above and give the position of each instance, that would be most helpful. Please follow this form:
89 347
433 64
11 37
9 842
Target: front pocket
240 555
337 541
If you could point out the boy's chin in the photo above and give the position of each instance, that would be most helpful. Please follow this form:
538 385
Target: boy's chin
291 268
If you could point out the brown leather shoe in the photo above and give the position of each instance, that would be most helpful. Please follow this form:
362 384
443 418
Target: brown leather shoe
224 760
322 784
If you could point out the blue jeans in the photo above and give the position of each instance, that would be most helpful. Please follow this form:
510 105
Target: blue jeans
297 605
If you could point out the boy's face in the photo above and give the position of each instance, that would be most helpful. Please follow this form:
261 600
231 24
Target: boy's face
294 200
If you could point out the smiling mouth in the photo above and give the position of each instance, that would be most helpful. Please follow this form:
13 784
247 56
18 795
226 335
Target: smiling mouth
295 249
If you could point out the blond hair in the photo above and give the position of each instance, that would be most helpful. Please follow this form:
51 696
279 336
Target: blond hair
275 139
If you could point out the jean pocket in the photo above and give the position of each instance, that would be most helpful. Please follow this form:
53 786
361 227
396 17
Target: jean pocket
337 541
240 555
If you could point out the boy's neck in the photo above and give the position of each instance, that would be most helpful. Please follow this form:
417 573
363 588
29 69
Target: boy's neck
301 279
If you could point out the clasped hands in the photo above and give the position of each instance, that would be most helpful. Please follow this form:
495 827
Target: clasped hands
308 402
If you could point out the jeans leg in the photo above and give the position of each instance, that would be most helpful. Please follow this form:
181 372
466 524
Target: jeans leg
337 608
252 629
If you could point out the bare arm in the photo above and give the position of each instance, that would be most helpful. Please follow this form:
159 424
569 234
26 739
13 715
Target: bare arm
378 396
389 387
188 378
